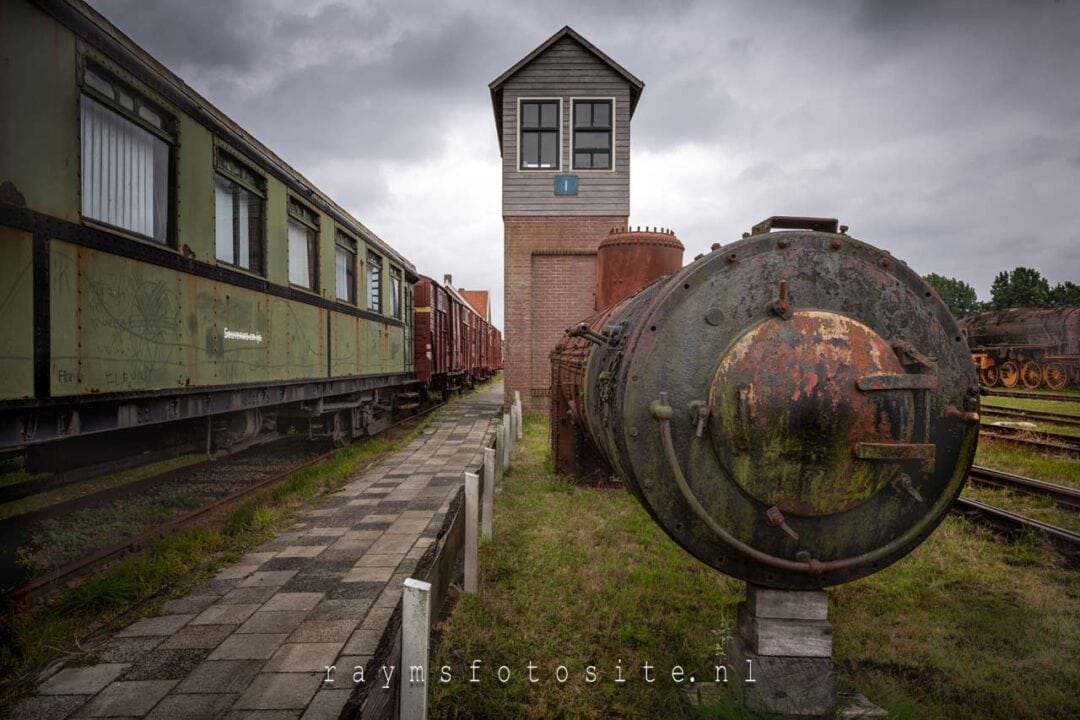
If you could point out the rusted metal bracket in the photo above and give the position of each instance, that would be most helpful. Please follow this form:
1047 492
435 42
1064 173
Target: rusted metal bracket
781 307
583 330
794 222
897 452
874 383
910 356
699 415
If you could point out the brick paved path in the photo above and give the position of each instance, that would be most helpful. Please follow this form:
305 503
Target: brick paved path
253 641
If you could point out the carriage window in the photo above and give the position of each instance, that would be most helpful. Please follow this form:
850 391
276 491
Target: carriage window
395 292
539 124
374 282
592 135
303 246
238 202
126 144
345 269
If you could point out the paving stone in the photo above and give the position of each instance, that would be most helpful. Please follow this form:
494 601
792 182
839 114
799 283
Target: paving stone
268 579
284 563
379 560
390 596
272 622
292 601
335 531
326 705
221 676
225 614
120 650
368 574
263 715
363 642
303 657
377 618
361 535
235 572
132 699
342 609
247 595
198 636
280 691
215 587
189 604
82 680
387 518
312 582
192 707
256 558
302 551
321 513
47 707
322 631
364 501
164 625
166 664
356 591
248 647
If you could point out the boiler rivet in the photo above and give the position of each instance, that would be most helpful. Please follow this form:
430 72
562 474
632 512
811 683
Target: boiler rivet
714 316
782 244
633 431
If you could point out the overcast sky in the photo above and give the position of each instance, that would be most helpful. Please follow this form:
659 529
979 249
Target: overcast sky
947 133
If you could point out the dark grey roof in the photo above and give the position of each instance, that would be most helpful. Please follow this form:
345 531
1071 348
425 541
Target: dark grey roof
636 85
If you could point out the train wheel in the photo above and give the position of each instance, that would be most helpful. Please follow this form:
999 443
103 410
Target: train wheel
1055 376
989 375
1009 373
1031 374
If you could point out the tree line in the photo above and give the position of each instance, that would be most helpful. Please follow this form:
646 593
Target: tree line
1020 288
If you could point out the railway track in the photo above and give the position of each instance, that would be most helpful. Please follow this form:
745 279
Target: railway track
46 582
1012 525
1060 397
1063 496
1030 438
1035 415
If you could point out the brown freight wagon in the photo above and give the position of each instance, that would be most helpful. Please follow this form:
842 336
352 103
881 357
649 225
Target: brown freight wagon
1033 347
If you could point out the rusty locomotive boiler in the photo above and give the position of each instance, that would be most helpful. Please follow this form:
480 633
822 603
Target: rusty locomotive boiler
796 409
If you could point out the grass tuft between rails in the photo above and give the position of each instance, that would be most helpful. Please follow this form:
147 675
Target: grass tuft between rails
966 626
168 567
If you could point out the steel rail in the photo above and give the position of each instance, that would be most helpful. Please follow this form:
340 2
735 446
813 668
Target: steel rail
1034 395
1049 441
77 568
1064 496
1011 524
1059 418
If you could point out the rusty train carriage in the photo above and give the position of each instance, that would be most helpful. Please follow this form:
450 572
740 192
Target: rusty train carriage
455 346
134 299
796 409
1032 347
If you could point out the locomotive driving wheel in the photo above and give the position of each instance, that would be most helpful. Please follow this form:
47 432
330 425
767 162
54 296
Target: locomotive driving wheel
989 375
1055 376
1031 374
1009 373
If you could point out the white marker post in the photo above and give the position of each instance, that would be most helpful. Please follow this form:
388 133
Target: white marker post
415 632
489 492
472 502
517 409
507 440
500 442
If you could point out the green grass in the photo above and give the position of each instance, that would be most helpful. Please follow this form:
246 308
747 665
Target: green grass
169 567
1041 426
1048 466
966 626
989 402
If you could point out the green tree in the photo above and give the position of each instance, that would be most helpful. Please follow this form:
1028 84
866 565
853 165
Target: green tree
1023 287
1066 293
956 294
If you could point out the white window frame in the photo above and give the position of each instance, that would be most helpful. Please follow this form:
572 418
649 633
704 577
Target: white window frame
574 100
562 130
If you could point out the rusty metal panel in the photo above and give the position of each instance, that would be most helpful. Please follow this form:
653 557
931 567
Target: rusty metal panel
195 190
345 339
17 311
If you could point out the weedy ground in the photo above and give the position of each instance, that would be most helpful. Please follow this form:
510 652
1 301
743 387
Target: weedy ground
169 568
1036 404
967 626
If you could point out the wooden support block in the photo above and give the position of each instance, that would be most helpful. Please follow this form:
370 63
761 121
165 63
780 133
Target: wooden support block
799 686
787 638
763 602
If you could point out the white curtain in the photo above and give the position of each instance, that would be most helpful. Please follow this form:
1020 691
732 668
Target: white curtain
124 173
299 271
223 218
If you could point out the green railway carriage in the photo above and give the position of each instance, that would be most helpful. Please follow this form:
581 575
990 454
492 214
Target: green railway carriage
159 264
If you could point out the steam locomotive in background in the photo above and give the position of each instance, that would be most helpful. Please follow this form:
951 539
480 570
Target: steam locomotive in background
1033 347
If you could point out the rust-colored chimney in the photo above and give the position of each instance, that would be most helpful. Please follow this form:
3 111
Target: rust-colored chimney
628 260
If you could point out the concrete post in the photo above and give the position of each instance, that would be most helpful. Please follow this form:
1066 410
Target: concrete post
472 509
489 492
517 409
500 443
415 632
507 440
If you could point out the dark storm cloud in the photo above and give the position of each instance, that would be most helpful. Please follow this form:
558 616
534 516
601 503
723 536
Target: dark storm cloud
943 131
